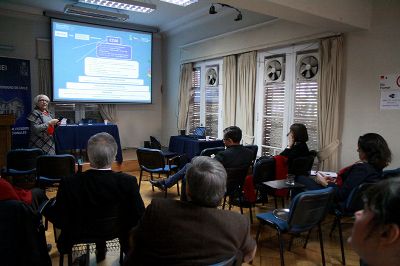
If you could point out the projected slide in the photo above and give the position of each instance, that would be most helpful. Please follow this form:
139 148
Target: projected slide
100 64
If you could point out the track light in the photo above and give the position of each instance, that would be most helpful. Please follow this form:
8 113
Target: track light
213 11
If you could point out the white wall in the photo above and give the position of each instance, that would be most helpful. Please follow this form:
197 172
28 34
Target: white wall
368 55
136 122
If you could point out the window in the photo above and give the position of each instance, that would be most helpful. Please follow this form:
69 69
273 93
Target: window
287 93
205 98
75 112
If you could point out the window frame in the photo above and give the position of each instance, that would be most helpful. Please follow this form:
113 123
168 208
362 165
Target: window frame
290 89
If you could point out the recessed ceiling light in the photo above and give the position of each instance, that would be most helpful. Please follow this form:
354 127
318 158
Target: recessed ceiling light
180 2
129 5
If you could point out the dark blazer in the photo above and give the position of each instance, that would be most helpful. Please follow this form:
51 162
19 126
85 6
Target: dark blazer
183 233
299 149
96 193
235 156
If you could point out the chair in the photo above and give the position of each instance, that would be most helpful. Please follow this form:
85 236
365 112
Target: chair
155 144
234 190
353 203
21 162
210 151
94 230
302 166
307 210
153 162
50 169
22 240
254 149
199 131
263 171
88 121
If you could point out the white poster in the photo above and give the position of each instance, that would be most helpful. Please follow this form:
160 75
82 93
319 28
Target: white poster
389 86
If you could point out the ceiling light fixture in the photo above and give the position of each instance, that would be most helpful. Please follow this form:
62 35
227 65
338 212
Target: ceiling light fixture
213 11
129 5
180 2
94 13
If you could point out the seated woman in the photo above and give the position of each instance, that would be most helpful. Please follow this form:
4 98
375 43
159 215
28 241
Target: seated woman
374 155
297 146
376 232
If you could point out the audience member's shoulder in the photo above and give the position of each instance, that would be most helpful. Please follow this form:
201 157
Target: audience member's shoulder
233 216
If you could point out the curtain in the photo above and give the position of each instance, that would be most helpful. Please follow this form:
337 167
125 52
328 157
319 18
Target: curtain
108 111
45 77
229 91
331 54
185 84
246 87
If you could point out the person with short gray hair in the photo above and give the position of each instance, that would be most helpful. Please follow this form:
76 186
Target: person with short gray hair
101 150
206 181
207 234
97 192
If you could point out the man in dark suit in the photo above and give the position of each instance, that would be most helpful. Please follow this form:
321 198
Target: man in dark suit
210 235
96 193
234 156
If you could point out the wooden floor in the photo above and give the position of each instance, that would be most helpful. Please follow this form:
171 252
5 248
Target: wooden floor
268 246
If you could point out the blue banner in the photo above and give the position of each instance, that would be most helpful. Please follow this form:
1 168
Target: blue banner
15 97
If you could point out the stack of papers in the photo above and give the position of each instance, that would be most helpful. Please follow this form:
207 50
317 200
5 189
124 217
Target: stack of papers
330 174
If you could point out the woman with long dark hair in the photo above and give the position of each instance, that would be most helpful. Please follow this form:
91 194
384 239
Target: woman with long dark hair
297 146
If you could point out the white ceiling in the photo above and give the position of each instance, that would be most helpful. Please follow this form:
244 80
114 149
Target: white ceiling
167 17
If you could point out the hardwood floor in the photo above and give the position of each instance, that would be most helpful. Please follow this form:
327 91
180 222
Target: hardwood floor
268 246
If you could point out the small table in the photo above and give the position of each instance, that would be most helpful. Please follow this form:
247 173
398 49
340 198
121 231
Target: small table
281 184
190 146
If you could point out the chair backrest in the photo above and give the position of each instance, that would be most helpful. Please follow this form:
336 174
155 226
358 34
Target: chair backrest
254 149
154 143
55 166
88 120
23 159
211 151
264 170
303 165
200 131
22 240
354 201
309 209
235 180
150 158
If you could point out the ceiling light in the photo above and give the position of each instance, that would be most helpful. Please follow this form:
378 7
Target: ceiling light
129 5
94 13
180 2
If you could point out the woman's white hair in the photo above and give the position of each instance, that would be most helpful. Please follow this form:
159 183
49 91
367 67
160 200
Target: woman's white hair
38 97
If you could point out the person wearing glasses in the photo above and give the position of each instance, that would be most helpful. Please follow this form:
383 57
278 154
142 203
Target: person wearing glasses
376 231
42 125
234 156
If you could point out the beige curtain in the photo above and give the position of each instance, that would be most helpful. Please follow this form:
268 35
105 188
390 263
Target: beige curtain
185 84
108 111
246 87
45 77
331 54
229 90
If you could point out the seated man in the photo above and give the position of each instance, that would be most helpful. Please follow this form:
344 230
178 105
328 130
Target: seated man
196 232
234 156
98 192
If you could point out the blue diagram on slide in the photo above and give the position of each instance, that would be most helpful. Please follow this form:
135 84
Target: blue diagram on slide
100 64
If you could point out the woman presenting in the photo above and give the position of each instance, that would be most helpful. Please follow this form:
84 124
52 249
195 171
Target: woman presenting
42 125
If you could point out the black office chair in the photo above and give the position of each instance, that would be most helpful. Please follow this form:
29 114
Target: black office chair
302 166
103 228
254 149
155 144
153 162
307 210
234 190
211 151
50 169
353 203
21 163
